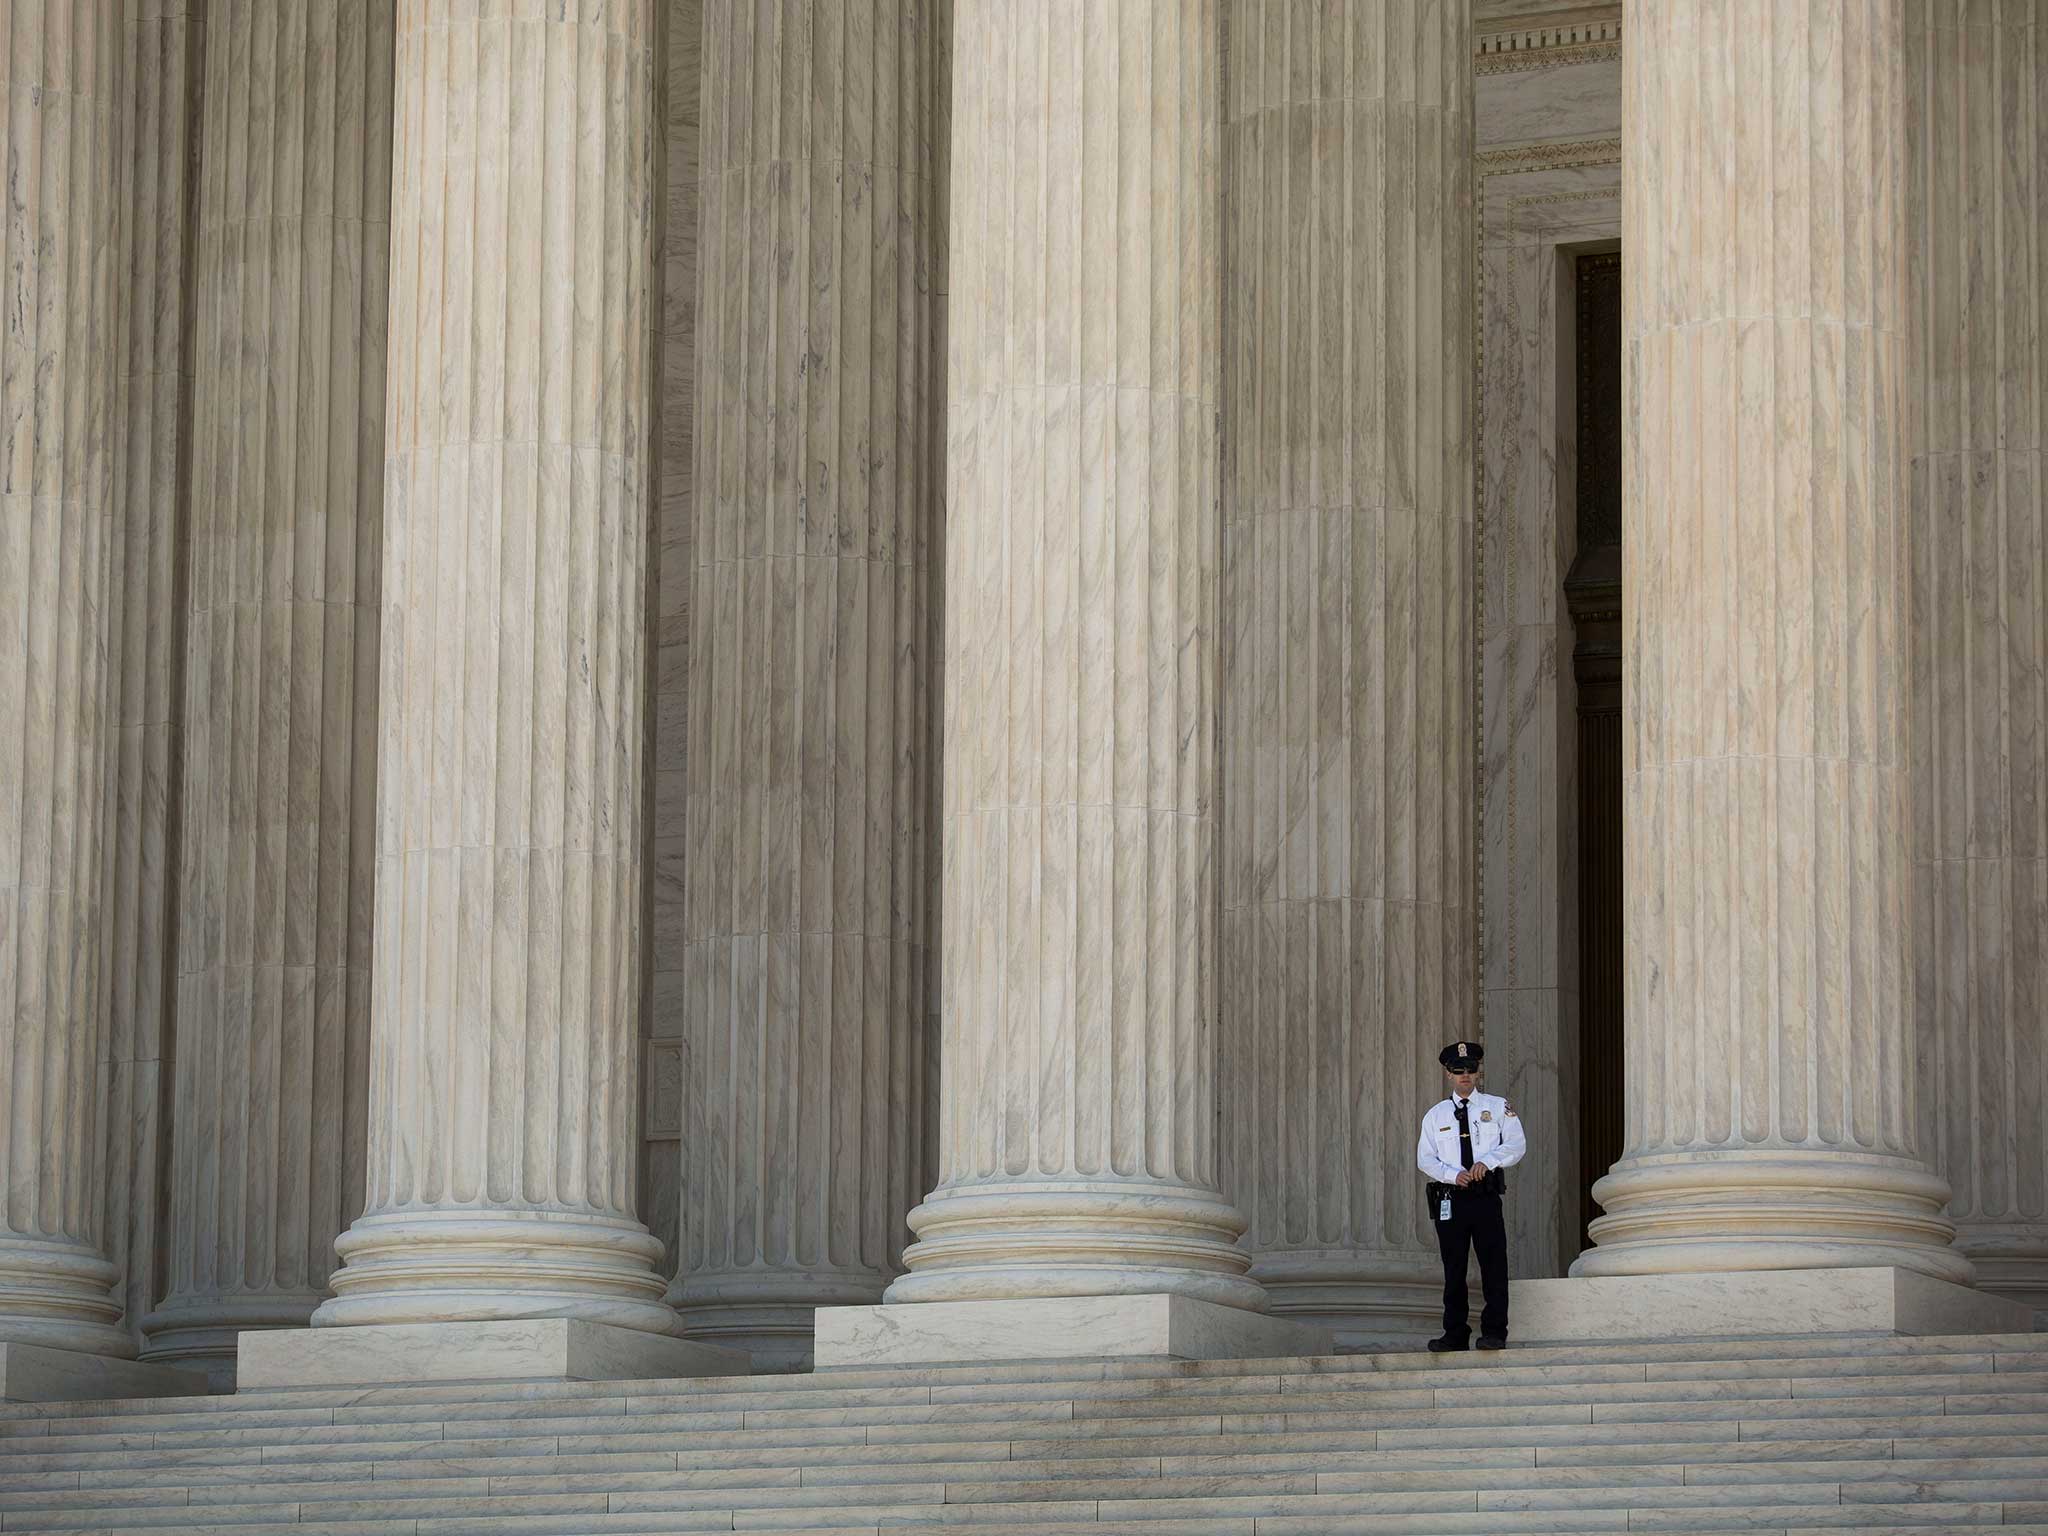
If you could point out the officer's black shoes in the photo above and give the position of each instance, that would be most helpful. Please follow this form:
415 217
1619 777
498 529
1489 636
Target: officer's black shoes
1487 1343
1448 1345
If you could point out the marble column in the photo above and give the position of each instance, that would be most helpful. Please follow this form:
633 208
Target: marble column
1078 1090
1348 952
58 360
1977 135
506 970
159 138
280 751
1770 1063
810 676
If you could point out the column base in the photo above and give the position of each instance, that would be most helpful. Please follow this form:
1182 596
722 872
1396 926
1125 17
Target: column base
531 1349
767 1313
57 1293
200 1333
1367 1301
32 1373
498 1265
1162 1327
1694 1212
2011 1261
1061 1239
1768 1303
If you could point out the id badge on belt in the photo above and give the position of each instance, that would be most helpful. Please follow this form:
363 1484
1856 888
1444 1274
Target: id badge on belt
1443 1209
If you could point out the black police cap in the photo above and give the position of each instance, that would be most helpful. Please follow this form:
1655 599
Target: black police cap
1465 1054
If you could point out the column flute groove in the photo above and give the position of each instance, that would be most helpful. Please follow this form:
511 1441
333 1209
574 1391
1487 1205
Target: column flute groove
1078 1092
810 674
58 356
1770 1064
273 1011
506 970
1348 804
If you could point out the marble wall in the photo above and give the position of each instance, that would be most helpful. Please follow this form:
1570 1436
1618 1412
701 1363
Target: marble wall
1977 128
1548 185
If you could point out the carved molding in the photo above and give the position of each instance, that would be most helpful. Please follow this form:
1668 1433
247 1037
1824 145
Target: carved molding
1550 42
1550 155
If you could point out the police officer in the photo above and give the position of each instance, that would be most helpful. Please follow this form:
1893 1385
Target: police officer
1466 1140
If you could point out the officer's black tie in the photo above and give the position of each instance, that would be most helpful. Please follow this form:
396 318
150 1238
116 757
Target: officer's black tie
1464 1136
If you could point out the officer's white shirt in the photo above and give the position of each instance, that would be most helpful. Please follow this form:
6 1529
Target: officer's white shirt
1497 1139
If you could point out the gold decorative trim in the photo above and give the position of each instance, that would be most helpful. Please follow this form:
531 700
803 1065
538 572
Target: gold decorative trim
1520 60
1552 155
1582 195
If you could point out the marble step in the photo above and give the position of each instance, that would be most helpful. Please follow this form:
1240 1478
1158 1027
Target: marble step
1433 1523
1159 1497
996 1481
1821 1377
543 1415
1694 1358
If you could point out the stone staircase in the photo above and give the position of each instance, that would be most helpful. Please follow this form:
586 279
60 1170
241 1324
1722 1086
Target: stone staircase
1799 1435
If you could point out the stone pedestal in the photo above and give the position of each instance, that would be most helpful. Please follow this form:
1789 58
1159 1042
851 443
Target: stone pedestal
1768 1303
30 1373
1161 1327
414 1354
1770 1059
505 990
817 459
273 1005
1977 134
59 73
1078 1095
1348 903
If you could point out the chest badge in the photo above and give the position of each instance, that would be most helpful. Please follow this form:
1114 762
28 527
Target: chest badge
1486 1114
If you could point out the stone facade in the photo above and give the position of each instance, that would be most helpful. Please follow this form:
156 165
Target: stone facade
919 656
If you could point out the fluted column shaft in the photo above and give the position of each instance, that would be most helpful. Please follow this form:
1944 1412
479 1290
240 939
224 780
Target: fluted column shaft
1077 1137
1770 1064
506 973
1348 953
273 1003
159 135
58 69
1977 133
810 675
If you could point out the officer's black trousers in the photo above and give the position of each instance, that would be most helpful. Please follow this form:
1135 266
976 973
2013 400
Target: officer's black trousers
1475 1223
